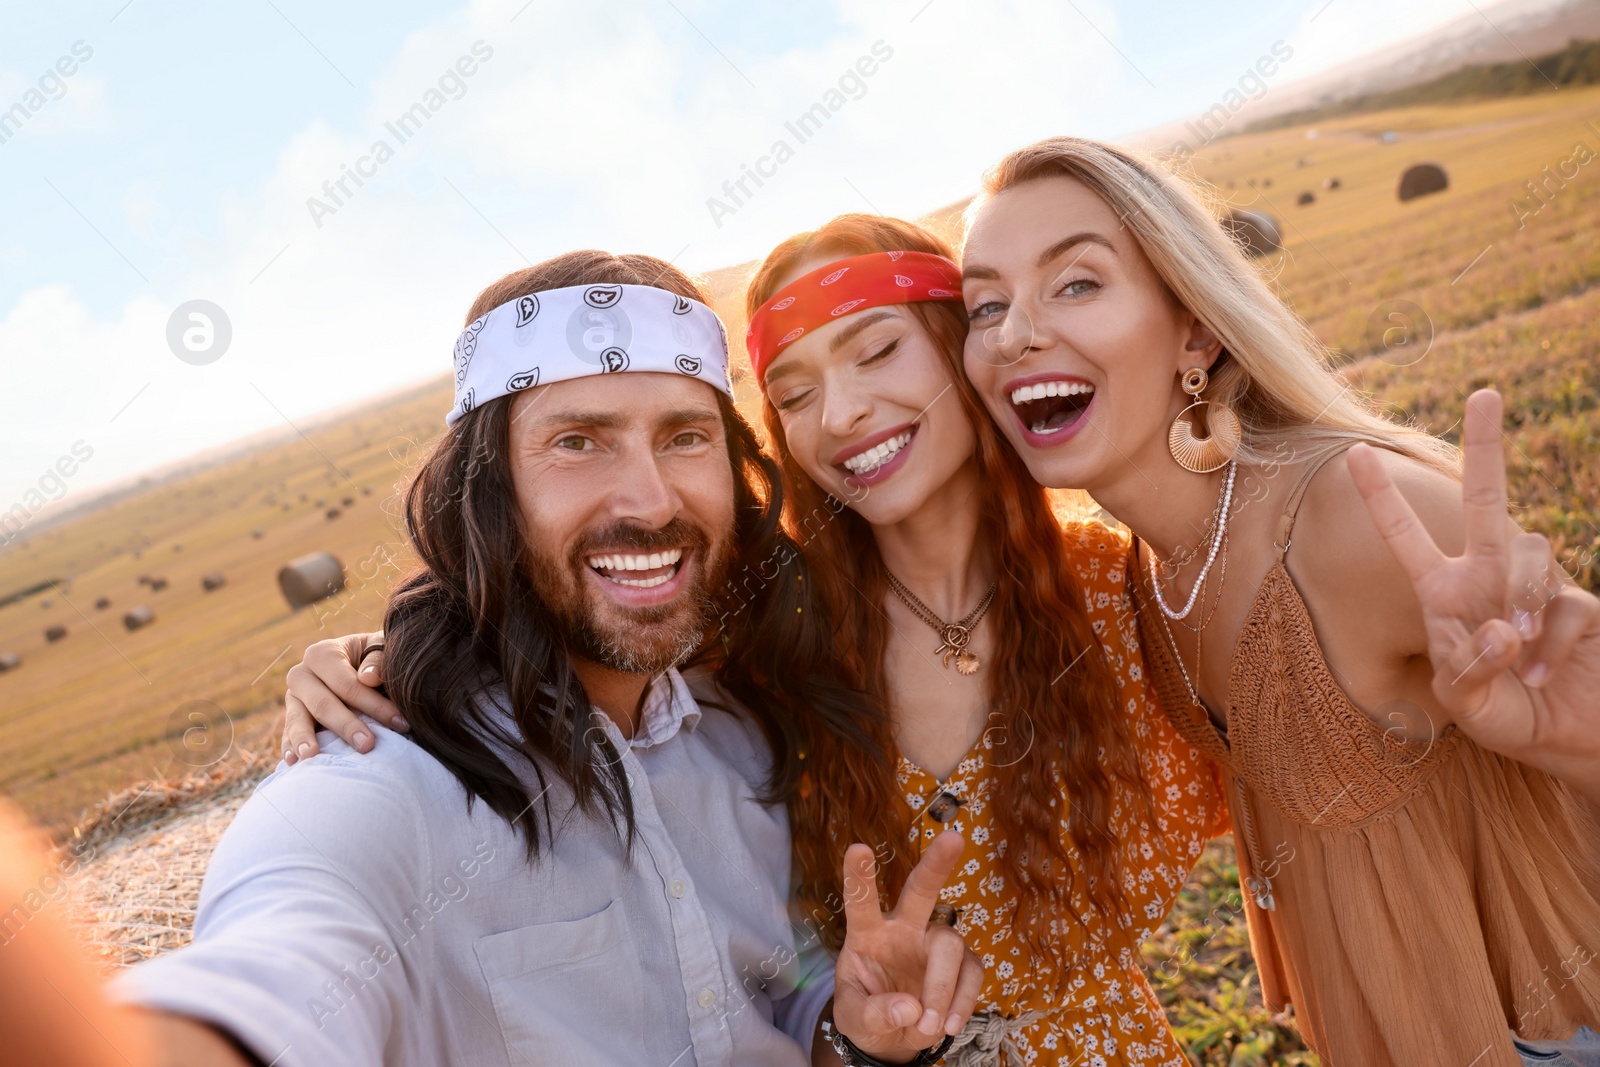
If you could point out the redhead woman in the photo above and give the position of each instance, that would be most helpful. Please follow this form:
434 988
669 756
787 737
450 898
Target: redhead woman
991 653
1399 683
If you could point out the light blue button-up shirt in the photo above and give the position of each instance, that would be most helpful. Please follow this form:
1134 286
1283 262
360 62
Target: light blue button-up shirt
356 912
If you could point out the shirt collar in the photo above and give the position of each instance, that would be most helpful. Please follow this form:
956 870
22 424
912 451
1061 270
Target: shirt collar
668 706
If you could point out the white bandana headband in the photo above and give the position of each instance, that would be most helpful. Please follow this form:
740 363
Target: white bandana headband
583 330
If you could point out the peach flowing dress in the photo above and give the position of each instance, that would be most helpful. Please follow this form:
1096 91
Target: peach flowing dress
1415 901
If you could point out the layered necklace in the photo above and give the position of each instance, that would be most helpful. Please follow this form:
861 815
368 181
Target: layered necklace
1215 544
953 636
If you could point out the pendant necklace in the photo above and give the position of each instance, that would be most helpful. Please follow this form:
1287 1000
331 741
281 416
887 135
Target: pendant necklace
953 636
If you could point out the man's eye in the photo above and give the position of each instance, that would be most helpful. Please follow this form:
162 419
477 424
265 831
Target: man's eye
573 442
688 439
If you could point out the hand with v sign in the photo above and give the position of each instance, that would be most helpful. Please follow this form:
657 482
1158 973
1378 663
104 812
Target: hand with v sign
901 982
1515 645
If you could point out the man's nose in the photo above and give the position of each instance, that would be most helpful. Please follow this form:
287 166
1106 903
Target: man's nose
640 489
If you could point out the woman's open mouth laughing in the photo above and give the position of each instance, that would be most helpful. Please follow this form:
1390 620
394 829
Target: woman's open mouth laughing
876 457
1050 408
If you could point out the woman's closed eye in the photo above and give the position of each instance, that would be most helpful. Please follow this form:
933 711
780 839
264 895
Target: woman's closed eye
792 399
881 354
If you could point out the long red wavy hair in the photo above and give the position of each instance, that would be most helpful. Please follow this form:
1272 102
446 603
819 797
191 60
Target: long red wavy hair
1054 737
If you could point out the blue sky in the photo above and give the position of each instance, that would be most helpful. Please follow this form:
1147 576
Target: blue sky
177 162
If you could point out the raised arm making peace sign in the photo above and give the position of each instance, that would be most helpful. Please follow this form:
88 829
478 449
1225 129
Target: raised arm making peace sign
1515 644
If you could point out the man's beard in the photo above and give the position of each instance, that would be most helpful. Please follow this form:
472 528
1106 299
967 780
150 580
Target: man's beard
641 640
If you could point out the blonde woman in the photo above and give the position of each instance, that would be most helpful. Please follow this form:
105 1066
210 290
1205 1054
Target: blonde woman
1400 685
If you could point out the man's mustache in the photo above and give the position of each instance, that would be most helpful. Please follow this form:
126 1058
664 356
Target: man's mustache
626 536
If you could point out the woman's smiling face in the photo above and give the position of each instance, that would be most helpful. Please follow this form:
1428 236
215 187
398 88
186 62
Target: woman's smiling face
1075 343
870 411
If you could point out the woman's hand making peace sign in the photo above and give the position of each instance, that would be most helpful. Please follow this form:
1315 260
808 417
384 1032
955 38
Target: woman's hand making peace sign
1515 645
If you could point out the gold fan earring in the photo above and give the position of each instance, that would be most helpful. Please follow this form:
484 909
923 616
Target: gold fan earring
1202 455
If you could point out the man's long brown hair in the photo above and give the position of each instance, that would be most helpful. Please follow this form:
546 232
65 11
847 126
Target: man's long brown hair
1061 740
470 623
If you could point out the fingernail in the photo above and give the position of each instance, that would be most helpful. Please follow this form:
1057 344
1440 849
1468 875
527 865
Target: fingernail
1523 621
363 742
952 1025
929 1023
368 671
288 756
400 723
1536 675
900 1015
304 749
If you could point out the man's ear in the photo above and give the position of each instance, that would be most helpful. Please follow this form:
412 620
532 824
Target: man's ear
1201 346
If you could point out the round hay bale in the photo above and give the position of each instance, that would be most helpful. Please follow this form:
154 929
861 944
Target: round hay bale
177 547
347 501
143 579
1307 197
46 602
1257 231
258 533
139 617
157 584
1332 183
333 513
214 580
9 661
366 490
311 578
102 604
53 634
1422 179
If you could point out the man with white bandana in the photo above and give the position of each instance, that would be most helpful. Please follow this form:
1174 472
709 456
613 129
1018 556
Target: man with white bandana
570 858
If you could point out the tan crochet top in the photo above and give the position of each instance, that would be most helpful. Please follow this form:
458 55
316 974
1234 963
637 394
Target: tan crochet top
1413 900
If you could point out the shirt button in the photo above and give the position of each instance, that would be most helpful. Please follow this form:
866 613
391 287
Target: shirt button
677 887
706 998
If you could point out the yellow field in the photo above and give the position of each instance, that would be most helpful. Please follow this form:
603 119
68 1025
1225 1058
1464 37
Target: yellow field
102 708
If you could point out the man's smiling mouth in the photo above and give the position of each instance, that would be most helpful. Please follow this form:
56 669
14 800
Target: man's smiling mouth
638 570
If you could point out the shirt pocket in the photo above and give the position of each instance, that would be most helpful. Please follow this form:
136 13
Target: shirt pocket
546 981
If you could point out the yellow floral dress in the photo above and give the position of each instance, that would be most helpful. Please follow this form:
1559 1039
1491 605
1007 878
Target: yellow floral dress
1108 1015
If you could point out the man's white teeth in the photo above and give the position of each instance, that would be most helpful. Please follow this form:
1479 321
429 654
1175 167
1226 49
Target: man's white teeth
1040 390
878 455
629 562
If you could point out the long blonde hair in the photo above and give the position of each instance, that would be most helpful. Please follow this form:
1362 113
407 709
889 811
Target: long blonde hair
1277 376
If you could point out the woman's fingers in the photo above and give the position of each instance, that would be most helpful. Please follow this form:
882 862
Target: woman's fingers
1402 531
371 672
946 951
335 665
861 910
327 709
927 878
1483 476
968 985
1569 616
299 731
889 1013
1532 582
1475 663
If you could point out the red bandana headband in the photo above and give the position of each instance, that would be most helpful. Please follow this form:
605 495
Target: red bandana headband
842 288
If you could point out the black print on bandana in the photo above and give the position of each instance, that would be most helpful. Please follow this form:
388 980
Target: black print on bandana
527 309
688 364
681 305
466 402
613 359
466 345
602 296
524 380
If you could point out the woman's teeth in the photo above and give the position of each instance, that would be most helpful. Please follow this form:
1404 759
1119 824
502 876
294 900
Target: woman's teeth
878 455
1046 407
613 566
1040 390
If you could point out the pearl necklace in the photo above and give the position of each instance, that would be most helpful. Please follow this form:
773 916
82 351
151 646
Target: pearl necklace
1216 543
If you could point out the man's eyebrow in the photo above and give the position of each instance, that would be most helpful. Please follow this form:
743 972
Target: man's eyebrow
688 416
601 420
843 336
978 270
